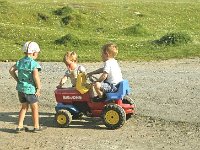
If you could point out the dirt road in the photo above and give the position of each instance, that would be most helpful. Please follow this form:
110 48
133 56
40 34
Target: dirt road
166 94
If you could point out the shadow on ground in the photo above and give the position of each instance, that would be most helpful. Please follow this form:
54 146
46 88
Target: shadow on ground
48 119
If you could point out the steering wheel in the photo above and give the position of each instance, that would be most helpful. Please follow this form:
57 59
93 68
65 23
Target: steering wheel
92 78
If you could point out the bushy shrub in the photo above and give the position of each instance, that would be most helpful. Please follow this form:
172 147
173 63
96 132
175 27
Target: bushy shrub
63 11
42 16
67 19
68 39
173 39
136 29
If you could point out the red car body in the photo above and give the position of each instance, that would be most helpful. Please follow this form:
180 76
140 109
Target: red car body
70 96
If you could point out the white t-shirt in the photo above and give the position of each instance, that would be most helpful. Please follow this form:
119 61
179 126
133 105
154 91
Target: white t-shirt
114 72
73 73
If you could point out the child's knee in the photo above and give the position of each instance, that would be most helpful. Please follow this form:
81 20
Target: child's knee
24 106
34 106
97 85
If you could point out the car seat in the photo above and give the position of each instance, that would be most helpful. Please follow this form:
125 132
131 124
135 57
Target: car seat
123 90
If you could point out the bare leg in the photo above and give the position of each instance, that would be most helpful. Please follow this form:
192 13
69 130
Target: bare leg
35 114
97 87
22 114
92 91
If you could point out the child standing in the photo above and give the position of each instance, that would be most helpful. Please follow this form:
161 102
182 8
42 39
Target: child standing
111 72
70 60
28 84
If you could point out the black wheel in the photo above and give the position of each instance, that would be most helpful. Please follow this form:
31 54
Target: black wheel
63 118
77 116
128 100
128 116
113 116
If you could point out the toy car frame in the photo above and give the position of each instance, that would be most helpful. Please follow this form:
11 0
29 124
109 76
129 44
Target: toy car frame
72 103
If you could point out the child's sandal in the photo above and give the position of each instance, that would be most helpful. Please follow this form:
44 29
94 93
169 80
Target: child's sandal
41 128
19 130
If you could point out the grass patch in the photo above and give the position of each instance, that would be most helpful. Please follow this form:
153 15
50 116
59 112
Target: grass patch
43 17
69 16
67 40
135 30
84 26
63 11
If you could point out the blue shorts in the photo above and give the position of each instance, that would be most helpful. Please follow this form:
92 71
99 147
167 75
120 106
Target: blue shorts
108 88
27 98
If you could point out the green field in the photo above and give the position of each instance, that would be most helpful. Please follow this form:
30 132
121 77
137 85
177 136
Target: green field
143 29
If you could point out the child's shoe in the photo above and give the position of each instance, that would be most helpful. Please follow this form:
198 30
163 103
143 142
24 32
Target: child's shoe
19 130
41 128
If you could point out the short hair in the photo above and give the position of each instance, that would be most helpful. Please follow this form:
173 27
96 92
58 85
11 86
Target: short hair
111 49
70 57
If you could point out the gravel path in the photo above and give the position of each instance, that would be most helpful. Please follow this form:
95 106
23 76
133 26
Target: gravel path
166 94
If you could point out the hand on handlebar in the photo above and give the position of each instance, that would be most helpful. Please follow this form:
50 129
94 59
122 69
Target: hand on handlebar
91 77
88 74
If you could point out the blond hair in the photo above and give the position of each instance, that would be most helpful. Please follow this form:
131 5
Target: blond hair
70 57
110 49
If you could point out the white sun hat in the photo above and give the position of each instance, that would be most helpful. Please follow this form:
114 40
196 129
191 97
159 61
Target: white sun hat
30 47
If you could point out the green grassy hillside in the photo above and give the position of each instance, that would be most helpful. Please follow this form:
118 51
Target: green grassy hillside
142 29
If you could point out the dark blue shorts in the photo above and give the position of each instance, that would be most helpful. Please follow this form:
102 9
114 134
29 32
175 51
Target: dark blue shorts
27 98
109 88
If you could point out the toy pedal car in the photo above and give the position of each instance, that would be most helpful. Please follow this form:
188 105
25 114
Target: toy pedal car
72 103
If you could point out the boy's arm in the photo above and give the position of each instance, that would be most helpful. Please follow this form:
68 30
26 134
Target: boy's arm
98 71
12 72
102 77
36 78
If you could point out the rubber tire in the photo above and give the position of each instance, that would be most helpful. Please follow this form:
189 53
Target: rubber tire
63 118
113 116
128 116
128 100
77 116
